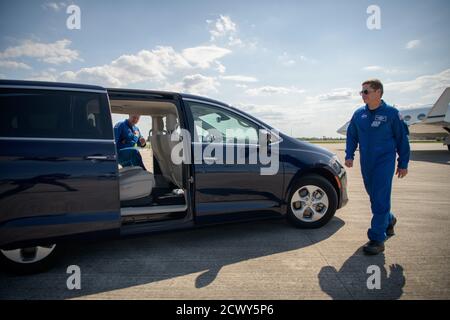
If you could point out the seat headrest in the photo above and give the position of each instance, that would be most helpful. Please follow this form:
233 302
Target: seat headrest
171 122
93 106
157 124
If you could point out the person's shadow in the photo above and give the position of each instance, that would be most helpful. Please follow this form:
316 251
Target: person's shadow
358 276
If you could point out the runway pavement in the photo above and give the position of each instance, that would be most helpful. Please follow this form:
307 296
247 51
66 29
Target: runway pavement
271 259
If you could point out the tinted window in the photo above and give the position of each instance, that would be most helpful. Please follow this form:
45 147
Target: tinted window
54 114
231 127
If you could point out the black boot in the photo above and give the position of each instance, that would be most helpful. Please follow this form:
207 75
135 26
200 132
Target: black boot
390 229
373 247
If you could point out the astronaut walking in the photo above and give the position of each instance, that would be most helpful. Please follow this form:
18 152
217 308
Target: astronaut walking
381 133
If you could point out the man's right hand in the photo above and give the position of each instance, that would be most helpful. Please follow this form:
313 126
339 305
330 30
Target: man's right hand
349 163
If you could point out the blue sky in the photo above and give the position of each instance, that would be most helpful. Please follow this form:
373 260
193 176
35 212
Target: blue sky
298 65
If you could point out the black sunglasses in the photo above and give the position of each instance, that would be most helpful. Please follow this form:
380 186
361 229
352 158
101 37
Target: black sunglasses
366 92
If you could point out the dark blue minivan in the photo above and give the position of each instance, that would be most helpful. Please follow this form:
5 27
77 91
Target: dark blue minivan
60 179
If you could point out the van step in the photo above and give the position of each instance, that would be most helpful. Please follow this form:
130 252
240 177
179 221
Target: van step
135 211
155 217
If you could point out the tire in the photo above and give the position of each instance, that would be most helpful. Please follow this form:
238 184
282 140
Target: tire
309 212
29 260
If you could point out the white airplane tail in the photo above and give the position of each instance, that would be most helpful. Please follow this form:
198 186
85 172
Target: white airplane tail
440 111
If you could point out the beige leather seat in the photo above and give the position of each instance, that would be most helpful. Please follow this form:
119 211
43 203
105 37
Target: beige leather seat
174 170
162 148
135 183
155 139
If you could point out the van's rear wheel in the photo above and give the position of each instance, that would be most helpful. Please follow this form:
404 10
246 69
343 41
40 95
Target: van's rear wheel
312 202
29 260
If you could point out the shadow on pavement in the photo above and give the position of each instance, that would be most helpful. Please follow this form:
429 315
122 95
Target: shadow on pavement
435 156
125 263
354 275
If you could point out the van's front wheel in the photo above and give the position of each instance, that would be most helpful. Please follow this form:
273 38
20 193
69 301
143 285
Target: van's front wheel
312 202
29 260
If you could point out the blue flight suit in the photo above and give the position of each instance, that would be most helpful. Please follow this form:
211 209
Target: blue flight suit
380 133
127 140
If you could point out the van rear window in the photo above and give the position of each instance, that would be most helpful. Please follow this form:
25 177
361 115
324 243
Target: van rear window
54 114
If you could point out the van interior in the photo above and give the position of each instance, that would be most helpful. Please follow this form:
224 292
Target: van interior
159 192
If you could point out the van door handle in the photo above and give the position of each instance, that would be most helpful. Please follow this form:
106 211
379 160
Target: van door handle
100 157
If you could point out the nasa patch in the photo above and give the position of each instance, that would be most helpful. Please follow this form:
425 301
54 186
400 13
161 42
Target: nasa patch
381 118
364 115
375 123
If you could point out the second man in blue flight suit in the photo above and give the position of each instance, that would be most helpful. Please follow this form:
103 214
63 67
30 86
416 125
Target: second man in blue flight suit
128 137
381 133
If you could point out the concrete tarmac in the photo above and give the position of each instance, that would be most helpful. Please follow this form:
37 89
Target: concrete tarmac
271 259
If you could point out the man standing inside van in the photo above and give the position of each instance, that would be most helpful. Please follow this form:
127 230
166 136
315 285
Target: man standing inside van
381 133
128 137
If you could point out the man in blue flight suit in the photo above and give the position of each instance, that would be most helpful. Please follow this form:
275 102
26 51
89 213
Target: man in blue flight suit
128 137
381 133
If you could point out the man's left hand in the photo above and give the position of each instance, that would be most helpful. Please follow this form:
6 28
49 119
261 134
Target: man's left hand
401 172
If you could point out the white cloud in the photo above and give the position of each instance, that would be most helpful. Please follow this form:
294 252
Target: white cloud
271 90
224 28
428 86
54 53
383 70
232 41
239 78
289 60
373 68
46 75
285 117
337 94
203 56
196 84
286 60
266 114
264 111
55 6
220 67
155 65
413 44
13 65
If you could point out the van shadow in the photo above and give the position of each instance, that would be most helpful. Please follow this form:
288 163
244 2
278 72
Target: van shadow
119 264
435 156
355 276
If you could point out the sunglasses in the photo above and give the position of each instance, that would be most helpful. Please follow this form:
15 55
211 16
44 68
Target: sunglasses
365 92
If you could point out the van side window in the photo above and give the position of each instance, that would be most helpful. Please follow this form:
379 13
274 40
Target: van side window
54 114
232 127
